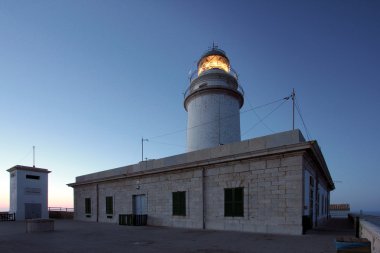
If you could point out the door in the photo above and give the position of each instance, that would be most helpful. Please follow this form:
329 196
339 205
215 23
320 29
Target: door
32 211
139 204
311 202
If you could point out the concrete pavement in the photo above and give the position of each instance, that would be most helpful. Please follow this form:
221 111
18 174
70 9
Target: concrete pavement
76 236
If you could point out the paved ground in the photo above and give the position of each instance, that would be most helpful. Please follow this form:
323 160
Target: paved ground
85 237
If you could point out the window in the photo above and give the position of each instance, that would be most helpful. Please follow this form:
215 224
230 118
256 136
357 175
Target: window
213 62
234 202
323 205
109 205
311 196
317 203
32 177
179 203
87 205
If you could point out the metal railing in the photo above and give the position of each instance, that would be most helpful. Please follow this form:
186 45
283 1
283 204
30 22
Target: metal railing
241 90
188 90
61 209
194 74
61 213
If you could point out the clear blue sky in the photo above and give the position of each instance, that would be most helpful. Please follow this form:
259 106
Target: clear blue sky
83 81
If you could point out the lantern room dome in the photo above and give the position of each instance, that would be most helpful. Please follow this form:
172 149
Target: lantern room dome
214 51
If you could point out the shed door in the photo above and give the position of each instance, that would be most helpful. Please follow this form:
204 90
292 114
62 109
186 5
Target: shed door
139 204
32 211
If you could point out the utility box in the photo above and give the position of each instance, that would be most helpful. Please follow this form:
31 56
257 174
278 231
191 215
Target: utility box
133 219
352 244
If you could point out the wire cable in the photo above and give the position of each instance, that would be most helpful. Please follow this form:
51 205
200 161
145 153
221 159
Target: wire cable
26 156
266 116
303 122
169 144
262 122
225 117
258 116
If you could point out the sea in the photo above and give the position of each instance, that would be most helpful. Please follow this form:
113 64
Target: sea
373 217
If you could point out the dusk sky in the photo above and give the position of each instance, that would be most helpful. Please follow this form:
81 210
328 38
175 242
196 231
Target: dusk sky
84 81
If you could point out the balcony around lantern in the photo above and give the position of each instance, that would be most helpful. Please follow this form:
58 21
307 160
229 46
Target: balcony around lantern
189 90
195 73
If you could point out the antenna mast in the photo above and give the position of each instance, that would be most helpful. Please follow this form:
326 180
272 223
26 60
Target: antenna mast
34 156
293 98
142 148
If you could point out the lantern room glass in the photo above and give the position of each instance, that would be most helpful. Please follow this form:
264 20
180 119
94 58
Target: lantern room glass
213 62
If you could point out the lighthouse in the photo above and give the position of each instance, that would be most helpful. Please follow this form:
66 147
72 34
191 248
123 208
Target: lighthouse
213 101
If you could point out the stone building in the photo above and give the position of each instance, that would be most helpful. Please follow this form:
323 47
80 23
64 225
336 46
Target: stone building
273 184
268 184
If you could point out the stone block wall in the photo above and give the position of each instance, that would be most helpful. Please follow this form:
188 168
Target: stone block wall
158 189
272 196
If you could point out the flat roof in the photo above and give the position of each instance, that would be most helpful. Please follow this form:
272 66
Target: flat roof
274 144
28 168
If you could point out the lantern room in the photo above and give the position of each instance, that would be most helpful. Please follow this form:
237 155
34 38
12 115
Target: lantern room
213 59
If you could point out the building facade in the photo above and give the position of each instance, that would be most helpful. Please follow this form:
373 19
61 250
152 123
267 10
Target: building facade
28 192
273 184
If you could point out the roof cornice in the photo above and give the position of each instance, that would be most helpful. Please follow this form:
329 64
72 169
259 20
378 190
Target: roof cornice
27 168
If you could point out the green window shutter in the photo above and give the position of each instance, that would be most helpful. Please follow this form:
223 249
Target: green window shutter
179 203
228 195
87 205
228 202
109 205
175 203
239 202
182 208
234 202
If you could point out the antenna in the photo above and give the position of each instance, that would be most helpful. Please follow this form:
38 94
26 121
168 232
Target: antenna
214 45
293 96
142 148
34 156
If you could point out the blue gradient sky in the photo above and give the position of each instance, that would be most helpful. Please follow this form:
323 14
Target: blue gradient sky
83 81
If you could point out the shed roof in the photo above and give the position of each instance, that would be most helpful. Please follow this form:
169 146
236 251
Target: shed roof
28 168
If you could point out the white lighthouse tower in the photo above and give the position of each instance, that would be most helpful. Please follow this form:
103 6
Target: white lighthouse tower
213 102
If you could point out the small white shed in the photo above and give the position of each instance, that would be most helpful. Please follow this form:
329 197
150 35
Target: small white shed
28 192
